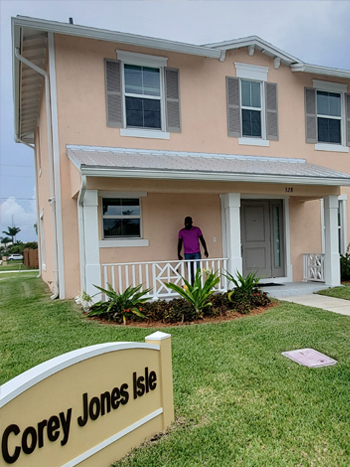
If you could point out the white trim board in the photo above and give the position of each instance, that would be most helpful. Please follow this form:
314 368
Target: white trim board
29 378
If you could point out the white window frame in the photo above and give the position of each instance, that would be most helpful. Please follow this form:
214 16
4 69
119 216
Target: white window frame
336 88
130 58
258 74
122 241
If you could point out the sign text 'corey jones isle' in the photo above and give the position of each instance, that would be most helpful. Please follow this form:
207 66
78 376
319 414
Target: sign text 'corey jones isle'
57 427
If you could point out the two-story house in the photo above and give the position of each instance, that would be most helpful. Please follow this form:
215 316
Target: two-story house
132 134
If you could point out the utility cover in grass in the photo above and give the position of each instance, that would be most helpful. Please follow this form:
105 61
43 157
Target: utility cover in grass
310 358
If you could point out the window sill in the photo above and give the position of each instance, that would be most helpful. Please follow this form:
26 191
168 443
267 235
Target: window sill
331 147
115 243
254 141
140 133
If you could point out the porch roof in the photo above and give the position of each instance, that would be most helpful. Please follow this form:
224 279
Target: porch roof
141 163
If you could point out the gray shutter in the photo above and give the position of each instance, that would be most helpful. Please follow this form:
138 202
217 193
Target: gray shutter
271 111
233 107
347 116
172 93
114 103
310 115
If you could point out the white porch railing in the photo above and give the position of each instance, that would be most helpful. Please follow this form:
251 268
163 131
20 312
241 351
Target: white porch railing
155 274
313 267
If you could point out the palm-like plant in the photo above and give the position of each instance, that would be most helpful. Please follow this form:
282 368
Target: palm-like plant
245 284
197 294
12 232
120 304
5 240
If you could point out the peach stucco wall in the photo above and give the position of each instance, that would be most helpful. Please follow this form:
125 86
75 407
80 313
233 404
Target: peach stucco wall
82 121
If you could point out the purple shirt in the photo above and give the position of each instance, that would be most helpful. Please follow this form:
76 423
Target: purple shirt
190 239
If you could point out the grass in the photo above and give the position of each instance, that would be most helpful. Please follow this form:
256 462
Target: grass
13 266
337 292
238 402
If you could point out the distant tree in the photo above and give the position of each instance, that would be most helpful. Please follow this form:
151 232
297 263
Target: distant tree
5 240
36 228
12 232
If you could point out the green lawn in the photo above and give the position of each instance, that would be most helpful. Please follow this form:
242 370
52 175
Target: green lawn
337 292
238 402
13 266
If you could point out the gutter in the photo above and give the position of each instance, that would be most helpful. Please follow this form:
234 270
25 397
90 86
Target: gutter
320 70
117 37
52 199
213 176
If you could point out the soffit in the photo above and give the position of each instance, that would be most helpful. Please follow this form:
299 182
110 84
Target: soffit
32 45
122 162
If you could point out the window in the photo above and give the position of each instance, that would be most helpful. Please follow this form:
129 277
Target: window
142 96
121 217
252 106
327 116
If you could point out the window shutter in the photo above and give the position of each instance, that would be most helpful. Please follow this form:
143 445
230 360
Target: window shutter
114 101
233 107
271 111
347 113
172 93
310 115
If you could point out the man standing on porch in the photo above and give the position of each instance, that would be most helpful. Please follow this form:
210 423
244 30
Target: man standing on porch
188 237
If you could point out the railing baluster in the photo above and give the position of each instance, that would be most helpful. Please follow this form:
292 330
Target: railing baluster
140 275
120 278
155 294
133 276
113 281
127 276
147 276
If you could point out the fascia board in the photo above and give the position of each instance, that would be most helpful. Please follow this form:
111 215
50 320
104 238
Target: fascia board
212 176
255 40
320 70
121 38
15 33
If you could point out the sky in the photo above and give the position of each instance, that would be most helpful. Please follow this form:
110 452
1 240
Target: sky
316 32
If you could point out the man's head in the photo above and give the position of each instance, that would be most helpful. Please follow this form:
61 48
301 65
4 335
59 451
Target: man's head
188 223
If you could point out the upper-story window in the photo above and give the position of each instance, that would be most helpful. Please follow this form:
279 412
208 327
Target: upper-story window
142 96
327 116
252 114
251 108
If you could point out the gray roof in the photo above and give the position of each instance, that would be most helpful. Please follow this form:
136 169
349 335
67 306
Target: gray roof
139 163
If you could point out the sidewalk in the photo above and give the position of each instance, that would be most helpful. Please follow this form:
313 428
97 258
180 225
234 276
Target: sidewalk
337 305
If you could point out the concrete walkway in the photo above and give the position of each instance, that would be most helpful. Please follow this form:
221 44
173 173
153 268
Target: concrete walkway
337 305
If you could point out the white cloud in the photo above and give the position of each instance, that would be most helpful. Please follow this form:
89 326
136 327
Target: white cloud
12 213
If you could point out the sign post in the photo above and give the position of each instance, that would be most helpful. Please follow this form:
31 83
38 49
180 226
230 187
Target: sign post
88 407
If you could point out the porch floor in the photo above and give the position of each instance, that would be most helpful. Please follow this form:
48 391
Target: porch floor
289 289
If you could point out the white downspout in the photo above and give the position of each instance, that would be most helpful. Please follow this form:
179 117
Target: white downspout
82 232
52 199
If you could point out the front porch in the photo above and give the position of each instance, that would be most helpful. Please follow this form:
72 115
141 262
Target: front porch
155 274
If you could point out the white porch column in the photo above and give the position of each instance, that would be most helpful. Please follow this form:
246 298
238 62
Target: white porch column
91 240
231 230
332 262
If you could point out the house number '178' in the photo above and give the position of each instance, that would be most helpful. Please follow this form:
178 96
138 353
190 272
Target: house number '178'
288 189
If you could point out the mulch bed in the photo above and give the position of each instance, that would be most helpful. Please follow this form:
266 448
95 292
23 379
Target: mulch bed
206 320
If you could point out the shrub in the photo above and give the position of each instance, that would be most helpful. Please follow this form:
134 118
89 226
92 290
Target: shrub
120 306
197 294
345 265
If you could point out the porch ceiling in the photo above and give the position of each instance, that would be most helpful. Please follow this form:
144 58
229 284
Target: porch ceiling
138 163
